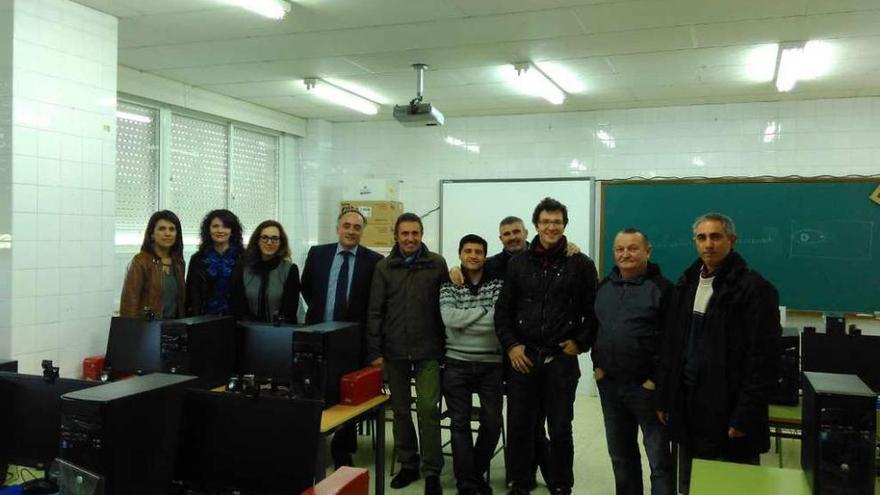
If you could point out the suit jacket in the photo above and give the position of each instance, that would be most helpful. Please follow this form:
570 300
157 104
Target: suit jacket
315 278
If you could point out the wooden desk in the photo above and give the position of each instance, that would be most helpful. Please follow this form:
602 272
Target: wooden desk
335 417
727 478
785 422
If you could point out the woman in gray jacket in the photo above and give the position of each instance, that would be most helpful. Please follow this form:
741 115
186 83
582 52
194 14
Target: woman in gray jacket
266 286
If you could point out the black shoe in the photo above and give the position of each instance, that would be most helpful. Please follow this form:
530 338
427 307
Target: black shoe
518 491
432 485
483 487
561 491
404 478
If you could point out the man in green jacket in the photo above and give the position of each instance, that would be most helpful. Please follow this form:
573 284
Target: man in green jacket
405 335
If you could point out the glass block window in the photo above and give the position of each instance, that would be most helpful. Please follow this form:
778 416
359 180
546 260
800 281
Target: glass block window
137 169
253 177
197 180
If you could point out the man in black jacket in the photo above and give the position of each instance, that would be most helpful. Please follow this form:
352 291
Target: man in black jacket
544 319
630 308
718 359
336 285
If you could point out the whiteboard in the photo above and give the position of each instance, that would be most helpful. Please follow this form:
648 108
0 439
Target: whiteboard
477 206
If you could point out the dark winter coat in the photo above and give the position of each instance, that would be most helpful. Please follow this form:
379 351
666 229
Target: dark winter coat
738 363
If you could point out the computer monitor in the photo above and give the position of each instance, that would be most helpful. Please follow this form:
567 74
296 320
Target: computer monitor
254 445
266 351
202 346
7 365
30 418
133 346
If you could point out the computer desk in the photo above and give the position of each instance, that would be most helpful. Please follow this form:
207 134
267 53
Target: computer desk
727 478
785 422
336 416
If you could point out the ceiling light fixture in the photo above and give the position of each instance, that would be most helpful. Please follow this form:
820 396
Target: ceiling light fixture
531 80
273 9
340 96
799 61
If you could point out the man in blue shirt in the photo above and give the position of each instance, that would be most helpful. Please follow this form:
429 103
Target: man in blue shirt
336 282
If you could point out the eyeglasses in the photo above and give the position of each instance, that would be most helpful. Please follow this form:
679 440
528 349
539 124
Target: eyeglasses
270 239
545 223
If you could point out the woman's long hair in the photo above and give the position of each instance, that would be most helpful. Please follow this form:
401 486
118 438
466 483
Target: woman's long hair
253 253
230 221
149 243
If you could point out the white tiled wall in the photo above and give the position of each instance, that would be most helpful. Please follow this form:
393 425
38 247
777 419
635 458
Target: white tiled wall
63 98
817 137
5 174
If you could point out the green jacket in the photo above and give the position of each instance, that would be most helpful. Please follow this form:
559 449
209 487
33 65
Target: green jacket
403 320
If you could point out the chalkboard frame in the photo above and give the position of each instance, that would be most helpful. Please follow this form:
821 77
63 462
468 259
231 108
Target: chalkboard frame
604 185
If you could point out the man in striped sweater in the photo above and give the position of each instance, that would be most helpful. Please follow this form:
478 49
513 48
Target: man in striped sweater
473 365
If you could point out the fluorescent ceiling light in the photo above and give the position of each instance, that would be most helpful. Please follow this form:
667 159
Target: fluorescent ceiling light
562 76
273 9
530 80
133 117
800 62
761 62
339 96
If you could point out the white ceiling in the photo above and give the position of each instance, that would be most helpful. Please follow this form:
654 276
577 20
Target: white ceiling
636 53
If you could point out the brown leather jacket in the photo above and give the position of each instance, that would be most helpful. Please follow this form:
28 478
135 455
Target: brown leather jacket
143 286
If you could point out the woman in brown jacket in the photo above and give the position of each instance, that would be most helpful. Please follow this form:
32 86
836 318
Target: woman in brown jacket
154 283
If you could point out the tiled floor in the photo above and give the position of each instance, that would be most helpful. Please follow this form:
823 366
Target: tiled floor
592 467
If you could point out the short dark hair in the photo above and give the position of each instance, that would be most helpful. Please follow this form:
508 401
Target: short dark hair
633 230
349 209
230 221
509 220
472 239
549 204
148 243
253 254
408 217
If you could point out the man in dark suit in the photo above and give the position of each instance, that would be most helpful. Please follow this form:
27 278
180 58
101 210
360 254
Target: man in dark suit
336 283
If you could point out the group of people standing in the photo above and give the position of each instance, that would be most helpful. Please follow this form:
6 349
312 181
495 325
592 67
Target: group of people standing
690 362
257 283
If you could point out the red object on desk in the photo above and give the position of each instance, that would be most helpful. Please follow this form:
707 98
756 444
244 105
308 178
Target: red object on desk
92 367
360 386
345 481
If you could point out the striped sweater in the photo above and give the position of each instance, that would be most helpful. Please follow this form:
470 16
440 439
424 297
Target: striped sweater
469 316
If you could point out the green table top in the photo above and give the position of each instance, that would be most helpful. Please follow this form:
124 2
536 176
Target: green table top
785 414
727 478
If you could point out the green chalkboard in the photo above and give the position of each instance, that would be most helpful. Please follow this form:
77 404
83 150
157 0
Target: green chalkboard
817 241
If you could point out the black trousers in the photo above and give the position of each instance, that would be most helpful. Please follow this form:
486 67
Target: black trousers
549 386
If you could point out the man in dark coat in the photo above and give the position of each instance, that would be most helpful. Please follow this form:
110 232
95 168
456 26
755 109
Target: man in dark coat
405 336
336 285
718 359
544 319
630 308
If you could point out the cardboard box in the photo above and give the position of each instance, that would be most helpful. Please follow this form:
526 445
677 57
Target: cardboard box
380 216
361 189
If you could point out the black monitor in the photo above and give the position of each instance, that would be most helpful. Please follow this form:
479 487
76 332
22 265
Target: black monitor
133 346
30 418
202 346
266 351
253 445
7 365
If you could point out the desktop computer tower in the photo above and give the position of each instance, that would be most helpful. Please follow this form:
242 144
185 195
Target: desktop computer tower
126 431
202 346
10 366
839 428
786 390
322 354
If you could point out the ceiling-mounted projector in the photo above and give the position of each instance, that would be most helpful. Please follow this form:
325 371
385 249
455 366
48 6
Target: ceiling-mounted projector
417 113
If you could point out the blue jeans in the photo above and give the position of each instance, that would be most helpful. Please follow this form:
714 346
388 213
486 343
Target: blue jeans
462 379
627 406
